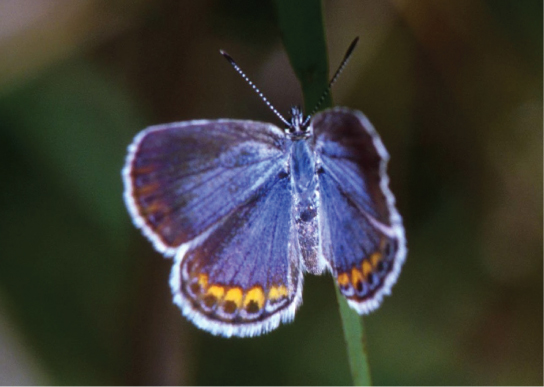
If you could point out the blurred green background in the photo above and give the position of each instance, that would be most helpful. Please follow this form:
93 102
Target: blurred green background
454 88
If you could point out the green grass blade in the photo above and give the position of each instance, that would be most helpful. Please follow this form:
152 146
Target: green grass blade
301 25
354 334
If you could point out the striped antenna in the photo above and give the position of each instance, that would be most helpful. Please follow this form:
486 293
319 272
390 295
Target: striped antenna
239 70
334 78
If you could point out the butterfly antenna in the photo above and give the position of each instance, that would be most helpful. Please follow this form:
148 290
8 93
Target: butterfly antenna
239 70
335 77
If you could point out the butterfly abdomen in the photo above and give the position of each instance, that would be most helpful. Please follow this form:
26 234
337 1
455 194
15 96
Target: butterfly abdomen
304 181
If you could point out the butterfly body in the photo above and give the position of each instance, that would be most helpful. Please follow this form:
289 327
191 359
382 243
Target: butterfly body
245 208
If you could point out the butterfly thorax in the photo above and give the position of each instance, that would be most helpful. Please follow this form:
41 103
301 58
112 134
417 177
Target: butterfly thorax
303 168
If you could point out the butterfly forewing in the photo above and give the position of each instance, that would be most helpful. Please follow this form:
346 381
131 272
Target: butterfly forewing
181 179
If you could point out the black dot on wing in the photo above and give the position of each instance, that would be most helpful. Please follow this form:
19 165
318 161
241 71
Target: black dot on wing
195 288
252 307
210 301
229 307
390 248
359 286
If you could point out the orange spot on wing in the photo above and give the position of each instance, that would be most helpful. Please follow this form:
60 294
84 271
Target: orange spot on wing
216 291
143 170
375 258
343 279
356 276
203 281
367 268
147 189
256 295
235 295
277 292
153 208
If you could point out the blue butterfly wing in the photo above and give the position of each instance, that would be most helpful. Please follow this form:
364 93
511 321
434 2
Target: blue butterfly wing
182 178
217 195
244 278
362 236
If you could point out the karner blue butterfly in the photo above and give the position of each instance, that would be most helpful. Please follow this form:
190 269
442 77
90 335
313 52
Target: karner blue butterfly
245 208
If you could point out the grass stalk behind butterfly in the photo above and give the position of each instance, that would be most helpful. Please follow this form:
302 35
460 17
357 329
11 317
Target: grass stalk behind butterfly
301 26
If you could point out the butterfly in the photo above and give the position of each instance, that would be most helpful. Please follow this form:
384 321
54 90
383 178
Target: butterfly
245 209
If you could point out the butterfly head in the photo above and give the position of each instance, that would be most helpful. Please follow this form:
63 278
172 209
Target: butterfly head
297 127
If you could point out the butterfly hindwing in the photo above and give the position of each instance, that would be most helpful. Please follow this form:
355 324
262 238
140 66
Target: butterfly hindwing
244 278
361 231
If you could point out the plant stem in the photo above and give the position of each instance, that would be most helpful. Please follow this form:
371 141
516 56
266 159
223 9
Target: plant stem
301 26
354 334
